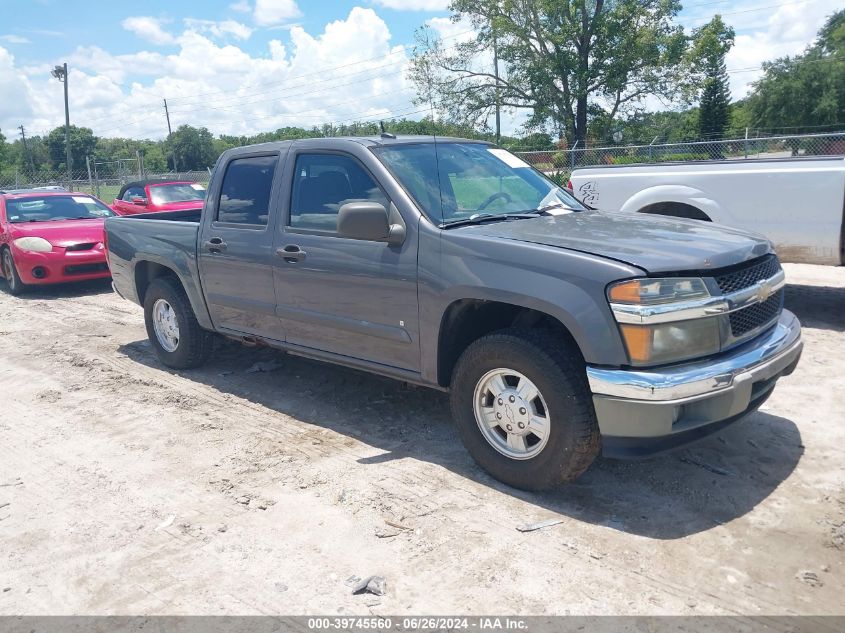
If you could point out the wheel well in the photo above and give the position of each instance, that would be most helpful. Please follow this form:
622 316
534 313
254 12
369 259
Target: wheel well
467 320
676 210
146 272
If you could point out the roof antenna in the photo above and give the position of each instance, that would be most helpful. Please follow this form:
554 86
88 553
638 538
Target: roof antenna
385 134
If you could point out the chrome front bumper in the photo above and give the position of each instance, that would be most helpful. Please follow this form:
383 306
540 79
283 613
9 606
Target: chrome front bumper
685 401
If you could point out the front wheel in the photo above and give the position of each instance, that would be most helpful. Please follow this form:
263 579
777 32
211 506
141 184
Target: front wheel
13 281
172 327
523 408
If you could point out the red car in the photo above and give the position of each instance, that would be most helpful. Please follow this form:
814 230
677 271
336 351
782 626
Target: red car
148 196
49 237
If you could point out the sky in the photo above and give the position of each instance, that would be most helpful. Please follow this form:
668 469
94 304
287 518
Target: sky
249 66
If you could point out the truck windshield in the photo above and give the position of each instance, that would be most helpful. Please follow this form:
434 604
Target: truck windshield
455 182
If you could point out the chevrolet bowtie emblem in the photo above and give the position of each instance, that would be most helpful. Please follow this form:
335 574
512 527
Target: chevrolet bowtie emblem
764 291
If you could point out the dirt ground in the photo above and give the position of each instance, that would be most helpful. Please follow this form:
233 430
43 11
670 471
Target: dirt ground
127 488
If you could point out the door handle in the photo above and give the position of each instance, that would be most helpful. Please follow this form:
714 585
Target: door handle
215 245
291 253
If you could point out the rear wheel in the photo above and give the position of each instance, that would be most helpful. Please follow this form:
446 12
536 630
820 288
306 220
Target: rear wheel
523 408
172 327
14 285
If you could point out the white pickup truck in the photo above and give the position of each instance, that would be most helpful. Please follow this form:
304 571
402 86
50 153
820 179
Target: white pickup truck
799 204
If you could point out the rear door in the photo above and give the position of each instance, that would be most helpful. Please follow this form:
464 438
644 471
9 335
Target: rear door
350 297
235 248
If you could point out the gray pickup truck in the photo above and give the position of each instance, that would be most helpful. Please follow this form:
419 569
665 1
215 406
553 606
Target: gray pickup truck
561 332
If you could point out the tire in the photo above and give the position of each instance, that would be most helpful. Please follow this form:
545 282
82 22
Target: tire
191 346
14 285
572 439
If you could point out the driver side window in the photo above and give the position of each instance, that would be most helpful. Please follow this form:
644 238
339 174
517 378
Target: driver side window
133 192
322 183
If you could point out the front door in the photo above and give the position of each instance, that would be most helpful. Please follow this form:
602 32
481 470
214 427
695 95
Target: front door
235 248
351 297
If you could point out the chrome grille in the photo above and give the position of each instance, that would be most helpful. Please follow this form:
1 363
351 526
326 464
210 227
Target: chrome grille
748 275
757 315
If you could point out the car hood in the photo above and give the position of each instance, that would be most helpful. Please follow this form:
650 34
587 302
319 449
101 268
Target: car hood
62 233
653 243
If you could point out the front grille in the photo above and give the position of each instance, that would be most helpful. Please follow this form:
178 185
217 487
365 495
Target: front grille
84 269
81 247
757 315
748 275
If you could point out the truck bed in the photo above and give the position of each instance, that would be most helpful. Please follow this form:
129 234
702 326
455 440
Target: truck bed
137 242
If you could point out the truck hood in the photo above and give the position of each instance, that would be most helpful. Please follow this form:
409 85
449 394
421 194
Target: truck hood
653 243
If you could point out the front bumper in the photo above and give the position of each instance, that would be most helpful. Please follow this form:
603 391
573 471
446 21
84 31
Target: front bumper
643 412
61 266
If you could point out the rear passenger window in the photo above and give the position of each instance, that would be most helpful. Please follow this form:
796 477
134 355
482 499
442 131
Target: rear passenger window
322 183
245 194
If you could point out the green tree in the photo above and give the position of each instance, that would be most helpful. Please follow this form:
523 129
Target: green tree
82 144
4 149
193 147
710 44
558 58
805 92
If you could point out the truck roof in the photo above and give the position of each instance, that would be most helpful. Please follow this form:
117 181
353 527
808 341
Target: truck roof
368 141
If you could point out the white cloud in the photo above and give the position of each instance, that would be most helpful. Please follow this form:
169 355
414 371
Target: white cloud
763 33
452 32
348 71
275 12
148 28
241 6
414 5
14 39
787 31
220 30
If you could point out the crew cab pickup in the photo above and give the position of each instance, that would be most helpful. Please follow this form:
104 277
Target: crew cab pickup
559 331
799 204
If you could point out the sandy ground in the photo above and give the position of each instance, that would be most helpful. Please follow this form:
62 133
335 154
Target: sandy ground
126 488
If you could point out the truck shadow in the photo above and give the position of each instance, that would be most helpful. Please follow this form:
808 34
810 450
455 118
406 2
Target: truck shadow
665 497
820 307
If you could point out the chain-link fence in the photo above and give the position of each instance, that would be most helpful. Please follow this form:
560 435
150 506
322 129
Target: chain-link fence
103 185
104 178
805 145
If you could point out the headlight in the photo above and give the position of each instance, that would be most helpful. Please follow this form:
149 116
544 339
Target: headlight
658 291
33 244
673 335
670 342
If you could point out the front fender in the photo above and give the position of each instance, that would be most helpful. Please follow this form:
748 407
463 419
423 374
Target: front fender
566 285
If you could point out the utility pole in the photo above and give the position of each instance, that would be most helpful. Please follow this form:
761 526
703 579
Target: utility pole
170 134
26 149
498 97
60 73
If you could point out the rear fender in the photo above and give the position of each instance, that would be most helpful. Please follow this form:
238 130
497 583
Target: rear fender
680 194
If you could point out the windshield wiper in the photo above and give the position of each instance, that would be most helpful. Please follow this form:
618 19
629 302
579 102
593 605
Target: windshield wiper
482 218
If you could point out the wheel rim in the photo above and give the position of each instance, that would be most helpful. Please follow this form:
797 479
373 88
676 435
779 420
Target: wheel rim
511 413
8 271
165 325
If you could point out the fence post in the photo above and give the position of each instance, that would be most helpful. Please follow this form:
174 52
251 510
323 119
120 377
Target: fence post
17 180
653 141
746 142
572 161
96 179
90 180
140 170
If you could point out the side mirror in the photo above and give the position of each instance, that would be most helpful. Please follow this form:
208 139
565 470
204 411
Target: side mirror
141 202
368 221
